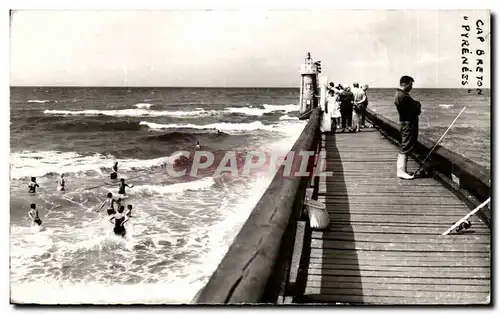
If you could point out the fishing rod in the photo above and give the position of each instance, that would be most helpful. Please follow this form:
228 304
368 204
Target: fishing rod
437 143
467 216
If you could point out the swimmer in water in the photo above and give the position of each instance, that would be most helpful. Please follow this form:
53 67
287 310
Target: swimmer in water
32 185
114 174
122 185
118 202
198 146
61 184
129 212
120 220
110 202
33 214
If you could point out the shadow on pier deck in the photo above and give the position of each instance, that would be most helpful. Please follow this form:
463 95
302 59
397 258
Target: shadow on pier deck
384 243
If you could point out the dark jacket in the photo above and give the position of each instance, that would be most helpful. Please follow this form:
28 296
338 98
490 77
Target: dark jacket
408 108
346 98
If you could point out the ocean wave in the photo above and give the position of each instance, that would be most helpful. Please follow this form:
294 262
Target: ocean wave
246 111
143 110
201 184
285 127
263 109
38 164
286 108
143 105
188 135
96 125
130 113
287 117
446 105
223 126
38 101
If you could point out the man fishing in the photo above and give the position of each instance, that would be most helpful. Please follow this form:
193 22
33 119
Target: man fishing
408 110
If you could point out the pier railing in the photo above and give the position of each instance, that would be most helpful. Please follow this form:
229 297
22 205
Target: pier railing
257 263
468 180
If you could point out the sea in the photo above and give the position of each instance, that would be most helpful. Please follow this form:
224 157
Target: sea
181 226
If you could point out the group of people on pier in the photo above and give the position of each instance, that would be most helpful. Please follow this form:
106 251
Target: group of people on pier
115 210
345 107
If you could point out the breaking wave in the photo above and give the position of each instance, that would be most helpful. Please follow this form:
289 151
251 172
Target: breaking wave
38 164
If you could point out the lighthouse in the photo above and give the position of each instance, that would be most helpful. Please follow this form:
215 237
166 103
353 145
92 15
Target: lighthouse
308 86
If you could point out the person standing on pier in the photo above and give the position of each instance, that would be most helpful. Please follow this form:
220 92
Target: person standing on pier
346 101
364 105
408 110
334 108
324 104
359 98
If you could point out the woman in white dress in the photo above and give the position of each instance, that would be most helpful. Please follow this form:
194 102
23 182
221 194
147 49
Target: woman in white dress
333 105
326 121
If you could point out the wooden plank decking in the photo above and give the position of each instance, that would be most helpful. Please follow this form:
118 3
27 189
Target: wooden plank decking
384 243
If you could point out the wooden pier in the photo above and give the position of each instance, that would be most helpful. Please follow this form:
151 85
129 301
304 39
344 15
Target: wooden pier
384 242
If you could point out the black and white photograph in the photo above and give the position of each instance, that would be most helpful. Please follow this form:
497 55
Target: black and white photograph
250 156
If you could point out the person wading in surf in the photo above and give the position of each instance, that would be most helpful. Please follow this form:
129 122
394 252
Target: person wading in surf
118 203
114 174
122 185
61 184
32 185
120 219
110 202
33 214
129 212
408 110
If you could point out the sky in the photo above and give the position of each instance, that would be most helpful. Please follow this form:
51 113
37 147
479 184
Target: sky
240 48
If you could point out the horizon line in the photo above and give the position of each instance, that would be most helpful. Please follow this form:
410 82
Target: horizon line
227 87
